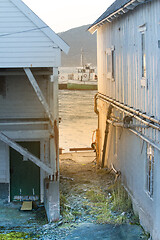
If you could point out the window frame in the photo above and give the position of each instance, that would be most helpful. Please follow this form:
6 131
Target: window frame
110 63
150 162
142 30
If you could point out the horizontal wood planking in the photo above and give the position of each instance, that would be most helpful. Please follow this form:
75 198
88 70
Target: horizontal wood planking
22 43
24 104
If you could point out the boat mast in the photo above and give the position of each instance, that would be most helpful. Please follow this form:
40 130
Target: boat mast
82 58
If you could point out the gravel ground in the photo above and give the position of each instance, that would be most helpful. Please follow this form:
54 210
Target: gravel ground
79 175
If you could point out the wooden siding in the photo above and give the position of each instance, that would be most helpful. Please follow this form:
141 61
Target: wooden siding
125 36
18 103
22 43
131 155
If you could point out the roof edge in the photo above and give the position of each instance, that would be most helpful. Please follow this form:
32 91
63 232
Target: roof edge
115 14
42 25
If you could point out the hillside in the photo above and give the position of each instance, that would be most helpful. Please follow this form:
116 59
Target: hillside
79 38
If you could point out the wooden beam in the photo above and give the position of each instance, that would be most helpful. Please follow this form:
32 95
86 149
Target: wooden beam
20 72
80 149
27 135
24 152
5 123
39 94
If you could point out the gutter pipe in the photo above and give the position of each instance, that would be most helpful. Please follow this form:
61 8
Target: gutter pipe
137 114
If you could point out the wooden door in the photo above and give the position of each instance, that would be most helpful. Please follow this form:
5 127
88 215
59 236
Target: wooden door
24 174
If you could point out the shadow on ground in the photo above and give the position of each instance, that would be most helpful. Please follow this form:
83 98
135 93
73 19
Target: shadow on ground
90 231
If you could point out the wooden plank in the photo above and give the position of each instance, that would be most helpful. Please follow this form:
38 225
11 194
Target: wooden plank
26 206
80 149
39 93
25 153
24 123
28 135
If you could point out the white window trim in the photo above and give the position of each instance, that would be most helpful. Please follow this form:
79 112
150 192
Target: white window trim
150 182
142 30
109 52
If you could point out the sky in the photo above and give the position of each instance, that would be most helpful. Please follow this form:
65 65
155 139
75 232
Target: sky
62 15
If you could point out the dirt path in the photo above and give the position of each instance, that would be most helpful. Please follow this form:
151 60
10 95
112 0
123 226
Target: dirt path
86 200
82 168
88 209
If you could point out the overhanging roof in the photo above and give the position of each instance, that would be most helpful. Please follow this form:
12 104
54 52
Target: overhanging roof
119 7
41 25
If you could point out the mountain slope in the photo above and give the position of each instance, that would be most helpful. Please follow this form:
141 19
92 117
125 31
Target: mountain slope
79 38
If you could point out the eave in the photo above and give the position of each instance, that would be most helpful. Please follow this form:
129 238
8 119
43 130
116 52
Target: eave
121 11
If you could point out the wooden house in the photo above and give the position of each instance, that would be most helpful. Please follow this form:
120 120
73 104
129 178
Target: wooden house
128 101
29 61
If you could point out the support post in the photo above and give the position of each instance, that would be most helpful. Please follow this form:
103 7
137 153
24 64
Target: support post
25 153
39 93
106 134
52 200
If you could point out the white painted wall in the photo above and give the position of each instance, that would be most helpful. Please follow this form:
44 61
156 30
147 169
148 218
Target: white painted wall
125 36
4 163
123 33
22 43
20 100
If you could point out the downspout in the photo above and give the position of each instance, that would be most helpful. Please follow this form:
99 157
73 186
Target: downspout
109 112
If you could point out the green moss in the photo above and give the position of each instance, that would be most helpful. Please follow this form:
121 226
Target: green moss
15 236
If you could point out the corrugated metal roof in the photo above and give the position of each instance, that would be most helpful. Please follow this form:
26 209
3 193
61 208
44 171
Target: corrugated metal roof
113 8
118 4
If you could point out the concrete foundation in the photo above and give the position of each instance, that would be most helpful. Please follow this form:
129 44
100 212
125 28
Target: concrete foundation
4 191
52 201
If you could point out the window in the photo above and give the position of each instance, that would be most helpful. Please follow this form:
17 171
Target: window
150 170
142 30
143 55
110 63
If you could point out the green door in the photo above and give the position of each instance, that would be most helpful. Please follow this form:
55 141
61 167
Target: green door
24 174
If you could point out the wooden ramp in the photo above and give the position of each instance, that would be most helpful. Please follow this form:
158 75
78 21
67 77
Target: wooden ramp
26 206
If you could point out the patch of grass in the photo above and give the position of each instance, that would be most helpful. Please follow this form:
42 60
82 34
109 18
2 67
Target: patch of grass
120 199
63 203
66 211
15 236
116 208
68 217
76 213
95 197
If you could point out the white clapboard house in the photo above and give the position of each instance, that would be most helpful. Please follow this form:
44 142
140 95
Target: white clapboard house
30 54
128 101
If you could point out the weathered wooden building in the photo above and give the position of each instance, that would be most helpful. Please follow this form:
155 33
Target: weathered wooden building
30 54
128 42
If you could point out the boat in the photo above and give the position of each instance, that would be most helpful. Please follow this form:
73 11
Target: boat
79 78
